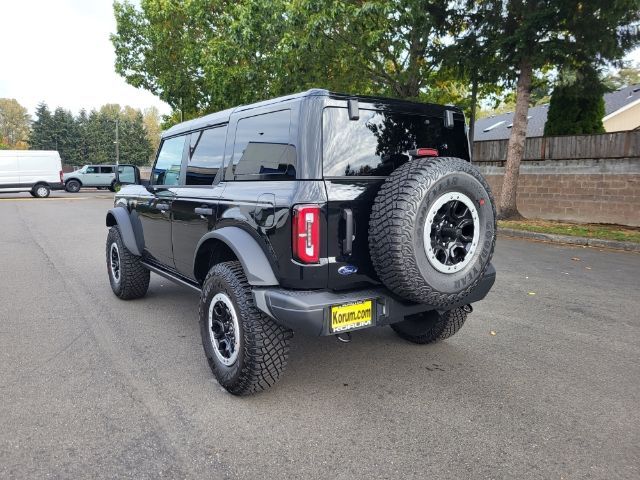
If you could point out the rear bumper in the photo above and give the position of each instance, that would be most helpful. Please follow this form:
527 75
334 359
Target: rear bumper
308 311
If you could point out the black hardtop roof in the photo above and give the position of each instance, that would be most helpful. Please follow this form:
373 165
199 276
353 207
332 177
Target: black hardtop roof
224 115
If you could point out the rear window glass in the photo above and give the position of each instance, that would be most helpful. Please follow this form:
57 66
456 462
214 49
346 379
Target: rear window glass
262 148
374 145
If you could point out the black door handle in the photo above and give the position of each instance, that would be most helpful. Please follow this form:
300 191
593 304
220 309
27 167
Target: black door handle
347 244
162 206
203 211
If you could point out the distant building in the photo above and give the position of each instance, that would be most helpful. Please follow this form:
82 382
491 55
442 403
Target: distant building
622 112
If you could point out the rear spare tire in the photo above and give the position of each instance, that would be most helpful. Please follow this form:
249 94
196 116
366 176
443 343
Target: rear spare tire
432 230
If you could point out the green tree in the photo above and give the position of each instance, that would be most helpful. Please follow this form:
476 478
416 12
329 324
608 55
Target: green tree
577 104
534 34
64 137
41 137
133 144
151 120
81 154
206 55
14 124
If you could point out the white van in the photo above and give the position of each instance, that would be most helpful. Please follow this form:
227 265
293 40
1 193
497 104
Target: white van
34 171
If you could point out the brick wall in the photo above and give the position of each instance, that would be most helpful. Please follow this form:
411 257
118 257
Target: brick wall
580 178
577 197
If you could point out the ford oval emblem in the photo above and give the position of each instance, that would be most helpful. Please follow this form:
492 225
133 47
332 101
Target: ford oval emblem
347 270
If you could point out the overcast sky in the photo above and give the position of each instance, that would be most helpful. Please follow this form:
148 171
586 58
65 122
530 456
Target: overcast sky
58 51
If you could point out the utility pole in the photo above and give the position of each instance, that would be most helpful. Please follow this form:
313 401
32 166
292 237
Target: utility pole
117 145
117 142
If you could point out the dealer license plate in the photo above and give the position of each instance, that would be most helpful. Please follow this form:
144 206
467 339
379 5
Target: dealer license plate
352 316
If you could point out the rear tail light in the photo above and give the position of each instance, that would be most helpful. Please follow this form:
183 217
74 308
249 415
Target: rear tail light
306 233
61 175
424 152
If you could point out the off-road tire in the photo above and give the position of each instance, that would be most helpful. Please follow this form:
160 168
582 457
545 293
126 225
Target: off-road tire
72 186
396 236
41 191
134 277
263 344
430 327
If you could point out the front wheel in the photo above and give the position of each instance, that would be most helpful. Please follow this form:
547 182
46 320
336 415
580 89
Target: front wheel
72 186
128 277
246 350
431 327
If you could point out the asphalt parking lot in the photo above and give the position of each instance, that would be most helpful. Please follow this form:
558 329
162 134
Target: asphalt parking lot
542 382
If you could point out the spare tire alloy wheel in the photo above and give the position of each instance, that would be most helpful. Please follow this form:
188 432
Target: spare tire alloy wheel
451 232
432 230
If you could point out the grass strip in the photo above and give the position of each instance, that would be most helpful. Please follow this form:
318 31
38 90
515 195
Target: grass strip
604 232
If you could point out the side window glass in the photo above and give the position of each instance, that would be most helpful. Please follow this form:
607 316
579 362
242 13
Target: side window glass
91 170
106 169
166 171
207 153
262 149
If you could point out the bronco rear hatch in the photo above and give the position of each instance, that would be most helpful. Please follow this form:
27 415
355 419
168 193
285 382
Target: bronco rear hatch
363 142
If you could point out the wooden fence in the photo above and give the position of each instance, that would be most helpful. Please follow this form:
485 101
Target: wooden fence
606 145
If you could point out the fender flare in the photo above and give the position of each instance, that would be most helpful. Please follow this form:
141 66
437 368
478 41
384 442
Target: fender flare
74 178
130 228
254 262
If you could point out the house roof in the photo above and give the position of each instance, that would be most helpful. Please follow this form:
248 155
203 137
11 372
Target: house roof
498 127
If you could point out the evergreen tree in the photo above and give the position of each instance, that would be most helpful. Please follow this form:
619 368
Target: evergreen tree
41 137
577 105
64 134
134 145
81 152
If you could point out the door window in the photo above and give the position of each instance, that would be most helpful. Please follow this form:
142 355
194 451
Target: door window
262 148
166 171
106 169
207 153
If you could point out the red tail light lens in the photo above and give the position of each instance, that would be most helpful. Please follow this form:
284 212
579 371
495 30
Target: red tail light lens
424 152
306 233
61 174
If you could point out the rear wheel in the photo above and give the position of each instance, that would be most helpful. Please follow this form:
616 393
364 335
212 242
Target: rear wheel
430 327
41 191
128 277
247 351
432 230
73 186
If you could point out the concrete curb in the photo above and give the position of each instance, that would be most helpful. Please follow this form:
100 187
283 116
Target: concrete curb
583 241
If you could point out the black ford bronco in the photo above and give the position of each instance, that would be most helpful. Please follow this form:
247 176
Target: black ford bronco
318 213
